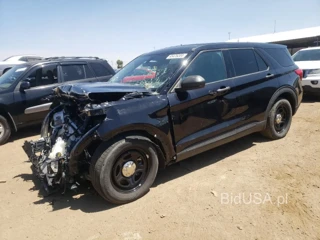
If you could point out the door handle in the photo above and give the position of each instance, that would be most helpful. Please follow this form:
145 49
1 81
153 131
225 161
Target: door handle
270 75
220 91
45 100
223 89
213 93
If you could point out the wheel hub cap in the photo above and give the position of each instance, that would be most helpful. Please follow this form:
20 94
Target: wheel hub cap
278 118
128 169
1 130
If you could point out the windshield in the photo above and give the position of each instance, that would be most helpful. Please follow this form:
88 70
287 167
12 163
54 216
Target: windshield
8 78
150 71
307 55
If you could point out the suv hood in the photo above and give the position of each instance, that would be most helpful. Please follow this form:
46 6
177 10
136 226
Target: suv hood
308 64
98 92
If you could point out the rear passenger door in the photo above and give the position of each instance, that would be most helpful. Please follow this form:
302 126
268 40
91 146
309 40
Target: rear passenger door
76 72
255 82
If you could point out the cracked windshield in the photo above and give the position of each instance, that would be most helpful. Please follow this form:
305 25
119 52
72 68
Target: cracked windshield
150 71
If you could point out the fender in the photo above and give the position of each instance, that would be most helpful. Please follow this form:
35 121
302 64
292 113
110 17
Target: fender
283 90
109 129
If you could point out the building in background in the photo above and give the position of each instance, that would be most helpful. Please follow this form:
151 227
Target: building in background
294 40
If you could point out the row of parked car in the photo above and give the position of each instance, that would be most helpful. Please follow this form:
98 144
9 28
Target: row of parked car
24 90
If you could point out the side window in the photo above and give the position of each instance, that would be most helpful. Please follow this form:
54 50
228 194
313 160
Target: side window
244 61
100 70
42 76
76 72
88 72
209 65
281 55
261 63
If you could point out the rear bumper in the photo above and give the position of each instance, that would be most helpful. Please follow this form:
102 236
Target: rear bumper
311 84
309 89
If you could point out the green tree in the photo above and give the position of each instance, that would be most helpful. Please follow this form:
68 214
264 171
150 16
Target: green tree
119 63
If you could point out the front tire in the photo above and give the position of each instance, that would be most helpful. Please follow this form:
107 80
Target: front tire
5 130
124 170
279 120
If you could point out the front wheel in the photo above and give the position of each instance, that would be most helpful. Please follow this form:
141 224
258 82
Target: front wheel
279 120
123 171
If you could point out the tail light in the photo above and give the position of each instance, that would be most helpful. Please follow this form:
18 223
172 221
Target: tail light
299 72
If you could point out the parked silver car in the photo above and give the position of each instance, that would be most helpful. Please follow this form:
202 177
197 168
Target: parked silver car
8 63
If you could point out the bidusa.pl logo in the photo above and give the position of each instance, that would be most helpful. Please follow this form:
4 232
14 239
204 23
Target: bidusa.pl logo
253 198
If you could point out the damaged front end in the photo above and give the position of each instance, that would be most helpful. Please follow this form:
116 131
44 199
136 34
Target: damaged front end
68 134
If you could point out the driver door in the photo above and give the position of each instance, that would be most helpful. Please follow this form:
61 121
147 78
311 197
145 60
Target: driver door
201 116
32 104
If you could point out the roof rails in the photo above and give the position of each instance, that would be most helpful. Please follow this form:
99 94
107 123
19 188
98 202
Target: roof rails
64 57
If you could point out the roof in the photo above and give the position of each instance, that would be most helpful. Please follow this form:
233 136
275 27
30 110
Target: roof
66 59
282 36
207 46
310 48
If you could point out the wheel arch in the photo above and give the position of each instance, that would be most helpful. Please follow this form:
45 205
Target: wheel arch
285 93
162 150
9 118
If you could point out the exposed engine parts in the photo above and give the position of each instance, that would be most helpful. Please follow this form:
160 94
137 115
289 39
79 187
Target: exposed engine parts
50 155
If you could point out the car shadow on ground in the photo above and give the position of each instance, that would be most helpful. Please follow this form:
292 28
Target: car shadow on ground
88 200
207 158
25 133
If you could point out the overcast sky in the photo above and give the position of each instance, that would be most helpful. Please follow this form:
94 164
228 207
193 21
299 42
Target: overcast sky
127 28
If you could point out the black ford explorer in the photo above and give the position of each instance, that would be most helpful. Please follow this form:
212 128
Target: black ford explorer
161 108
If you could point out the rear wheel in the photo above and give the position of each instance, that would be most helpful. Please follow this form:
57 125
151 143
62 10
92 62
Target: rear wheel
5 130
279 120
124 171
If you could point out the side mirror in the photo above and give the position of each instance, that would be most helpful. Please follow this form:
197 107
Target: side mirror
192 82
25 85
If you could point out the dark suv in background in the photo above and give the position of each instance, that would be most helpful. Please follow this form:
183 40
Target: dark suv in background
190 99
24 89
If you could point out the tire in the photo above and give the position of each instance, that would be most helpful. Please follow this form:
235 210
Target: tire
5 130
275 130
108 168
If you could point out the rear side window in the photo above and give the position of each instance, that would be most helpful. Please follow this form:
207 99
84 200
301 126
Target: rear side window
100 70
261 63
281 55
76 72
244 61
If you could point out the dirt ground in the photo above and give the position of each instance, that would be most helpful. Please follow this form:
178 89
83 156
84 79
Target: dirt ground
247 189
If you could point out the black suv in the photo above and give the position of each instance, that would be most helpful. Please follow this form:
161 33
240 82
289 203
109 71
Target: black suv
161 108
24 89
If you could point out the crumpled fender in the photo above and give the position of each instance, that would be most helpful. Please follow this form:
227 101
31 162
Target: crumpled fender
139 115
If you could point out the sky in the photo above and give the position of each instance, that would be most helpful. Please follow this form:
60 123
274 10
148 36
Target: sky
114 29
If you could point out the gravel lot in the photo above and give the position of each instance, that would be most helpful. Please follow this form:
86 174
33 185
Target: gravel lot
247 189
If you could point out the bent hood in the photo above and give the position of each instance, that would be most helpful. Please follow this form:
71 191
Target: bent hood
100 91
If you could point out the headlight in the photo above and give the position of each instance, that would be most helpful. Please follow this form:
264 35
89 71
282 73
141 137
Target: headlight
314 72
